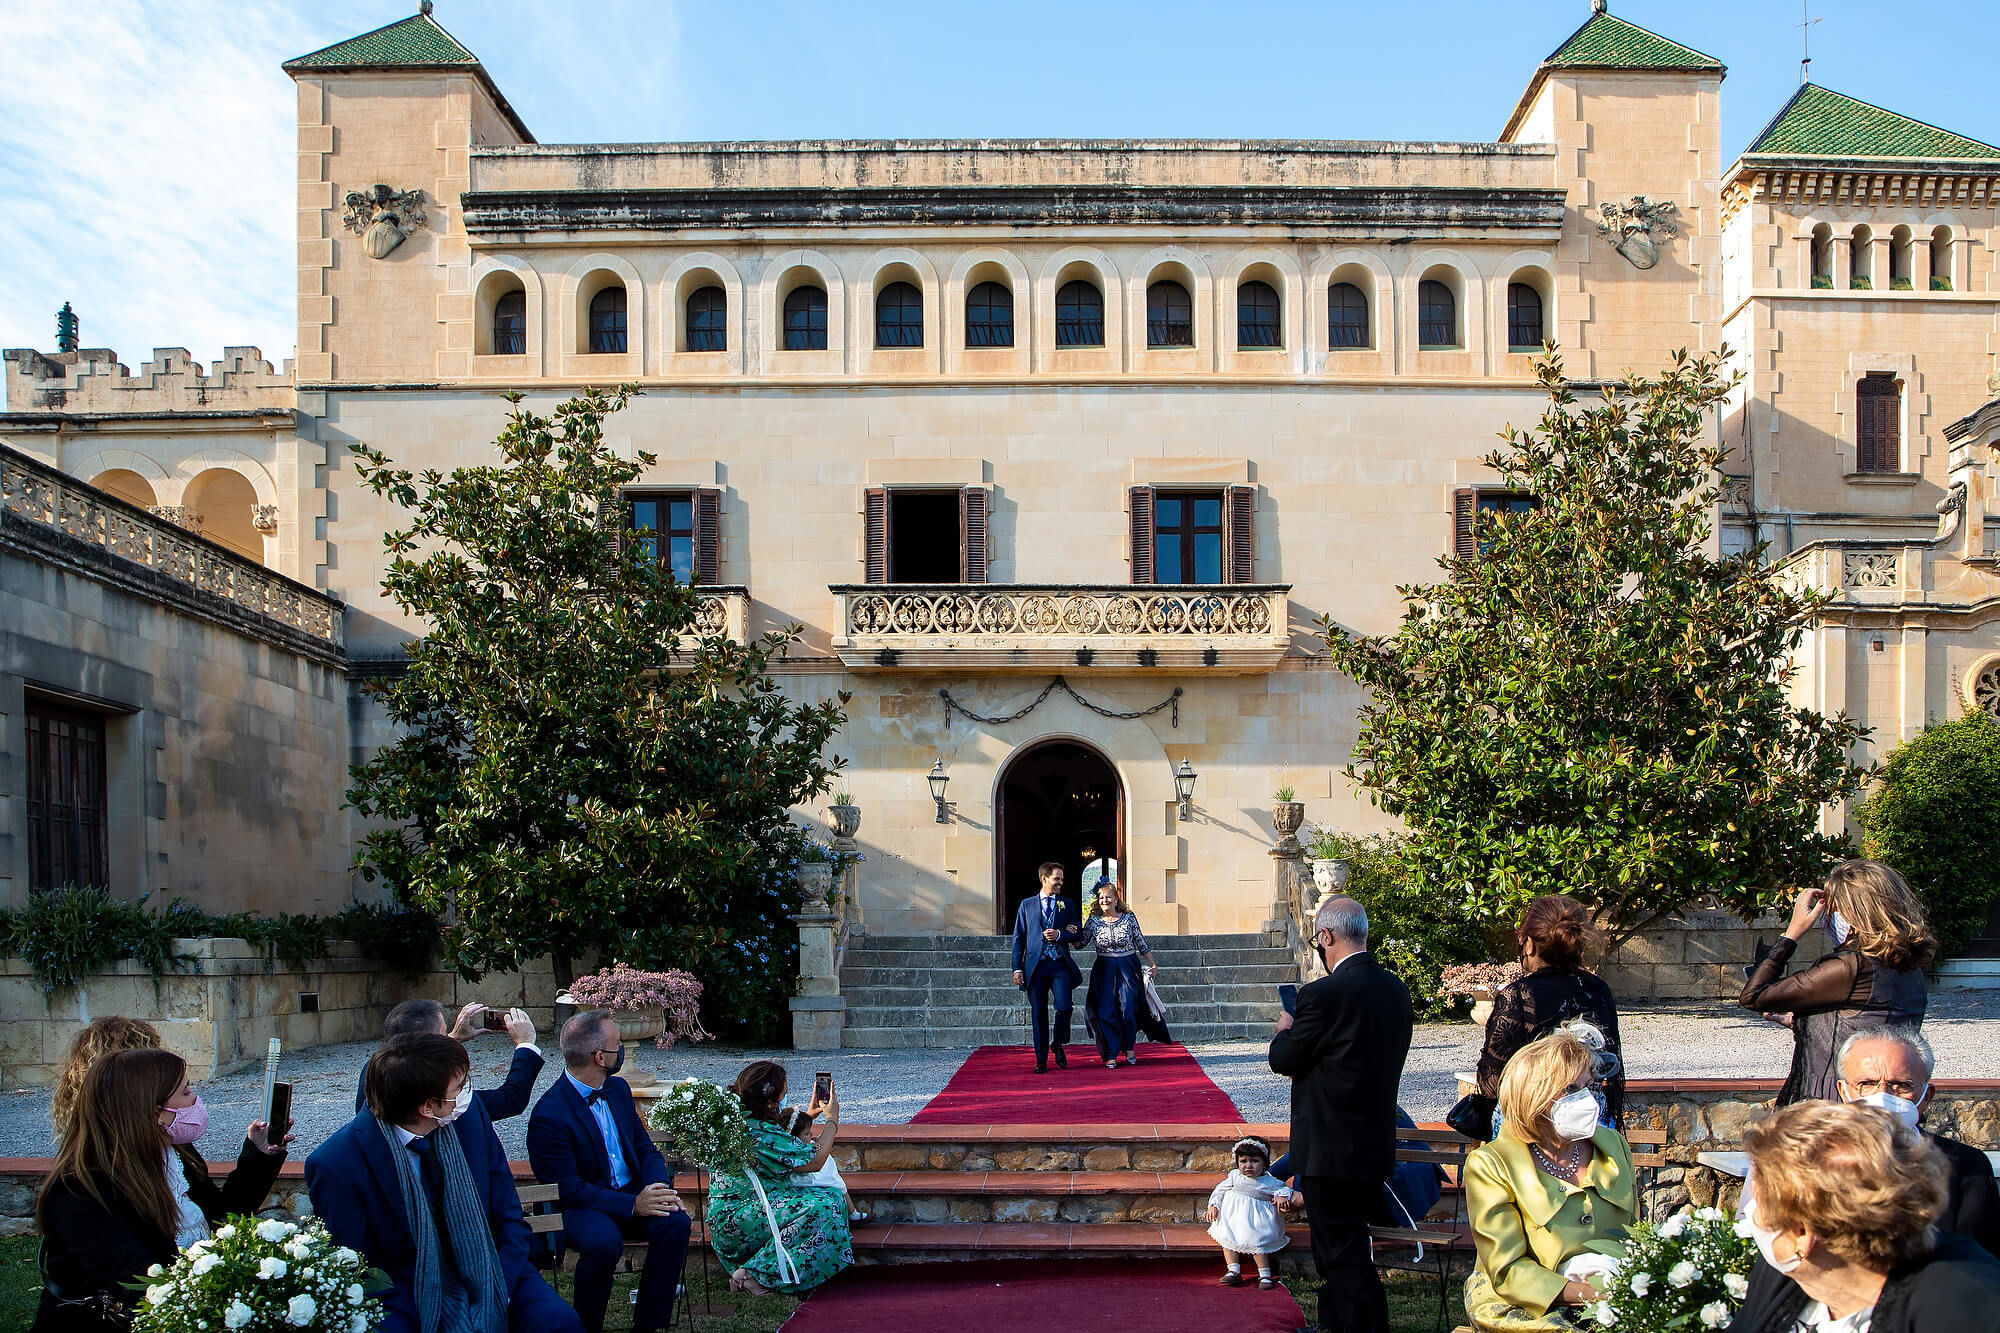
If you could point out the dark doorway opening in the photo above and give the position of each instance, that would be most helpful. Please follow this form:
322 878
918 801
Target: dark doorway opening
924 544
1059 801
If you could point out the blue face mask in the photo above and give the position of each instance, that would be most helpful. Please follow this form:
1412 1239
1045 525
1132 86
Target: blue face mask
1836 928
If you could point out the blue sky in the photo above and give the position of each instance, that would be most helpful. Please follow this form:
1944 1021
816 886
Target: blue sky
146 148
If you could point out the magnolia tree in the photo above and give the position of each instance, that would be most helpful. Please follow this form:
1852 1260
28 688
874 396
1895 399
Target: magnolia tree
1591 703
575 769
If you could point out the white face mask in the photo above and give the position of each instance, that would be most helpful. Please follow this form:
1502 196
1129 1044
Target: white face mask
1902 1108
1575 1116
458 1107
1747 1225
1837 928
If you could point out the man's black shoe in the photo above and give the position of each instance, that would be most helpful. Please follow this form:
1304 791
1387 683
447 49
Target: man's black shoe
1041 1068
1062 1061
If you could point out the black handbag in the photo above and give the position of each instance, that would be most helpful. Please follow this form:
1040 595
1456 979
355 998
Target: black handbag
1472 1116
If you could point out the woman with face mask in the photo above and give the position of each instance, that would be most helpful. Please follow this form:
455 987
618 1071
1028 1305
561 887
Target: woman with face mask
1872 978
1843 1202
128 1190
1550 1198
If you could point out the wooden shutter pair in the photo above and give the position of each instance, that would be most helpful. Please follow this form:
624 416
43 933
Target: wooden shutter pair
1878 401
1239 533
973 534
707 528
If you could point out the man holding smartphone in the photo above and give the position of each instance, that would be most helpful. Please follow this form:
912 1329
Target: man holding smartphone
501 1103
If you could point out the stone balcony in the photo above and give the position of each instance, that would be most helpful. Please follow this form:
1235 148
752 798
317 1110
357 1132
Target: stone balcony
1226 629
725 610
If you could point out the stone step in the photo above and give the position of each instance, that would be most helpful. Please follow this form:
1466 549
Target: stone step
954 997
986 1016
926 942
1015 1033
855 978
999 958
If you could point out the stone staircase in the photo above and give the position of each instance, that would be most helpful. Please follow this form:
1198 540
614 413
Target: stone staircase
956 991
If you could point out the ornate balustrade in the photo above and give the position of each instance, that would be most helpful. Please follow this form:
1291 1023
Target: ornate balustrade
1228 628
40 494
725 610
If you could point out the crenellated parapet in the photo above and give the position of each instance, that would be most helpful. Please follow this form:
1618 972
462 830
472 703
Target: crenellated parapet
94 381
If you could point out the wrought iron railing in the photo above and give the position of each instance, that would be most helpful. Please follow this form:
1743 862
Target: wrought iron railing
40 494
1165 612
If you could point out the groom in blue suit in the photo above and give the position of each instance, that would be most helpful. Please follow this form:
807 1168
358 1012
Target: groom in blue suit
1044 929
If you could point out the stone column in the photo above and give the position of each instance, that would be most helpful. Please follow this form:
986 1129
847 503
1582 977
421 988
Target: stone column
1289 880
818 1012
847 823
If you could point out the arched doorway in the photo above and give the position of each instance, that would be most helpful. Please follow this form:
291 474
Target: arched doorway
127 485
1057 800
227 502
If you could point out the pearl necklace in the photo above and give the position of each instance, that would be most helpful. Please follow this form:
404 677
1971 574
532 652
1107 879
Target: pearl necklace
1548 1164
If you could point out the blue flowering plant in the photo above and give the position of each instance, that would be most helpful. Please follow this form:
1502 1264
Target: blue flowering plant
262 1275
1689 1273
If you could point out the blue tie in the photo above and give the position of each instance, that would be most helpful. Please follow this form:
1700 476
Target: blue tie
429 1172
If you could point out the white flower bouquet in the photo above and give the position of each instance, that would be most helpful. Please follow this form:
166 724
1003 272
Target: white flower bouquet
1689 1272
705 1122
261 1275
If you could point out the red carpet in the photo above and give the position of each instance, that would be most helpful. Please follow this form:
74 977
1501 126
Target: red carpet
998 1085
997 1296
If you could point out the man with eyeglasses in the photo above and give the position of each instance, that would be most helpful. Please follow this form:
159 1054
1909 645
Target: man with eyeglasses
1890 1069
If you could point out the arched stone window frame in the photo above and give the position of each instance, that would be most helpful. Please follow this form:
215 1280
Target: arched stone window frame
1978 687
988 264
586 277
1366 270
784 274
1468 287
900 264
1089 264
1281 271
683 278
1176 264
492 276
1535 268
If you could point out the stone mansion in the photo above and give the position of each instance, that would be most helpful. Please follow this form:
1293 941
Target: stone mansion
1057 449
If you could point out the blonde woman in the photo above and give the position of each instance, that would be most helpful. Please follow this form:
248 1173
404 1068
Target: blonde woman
1874 977
1116 1001
1550 1198
99 1039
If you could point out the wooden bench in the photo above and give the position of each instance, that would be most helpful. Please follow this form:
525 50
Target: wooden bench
1432 1248
539 1208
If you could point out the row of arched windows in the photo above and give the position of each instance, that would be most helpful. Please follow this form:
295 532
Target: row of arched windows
1906 255
989 317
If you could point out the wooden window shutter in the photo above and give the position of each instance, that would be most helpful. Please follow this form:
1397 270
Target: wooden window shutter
1465 523
708 535
875 511
1879 409
614 515
1141 504
972 535
1240 518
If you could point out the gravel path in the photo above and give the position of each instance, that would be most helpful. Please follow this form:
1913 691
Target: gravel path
888 1087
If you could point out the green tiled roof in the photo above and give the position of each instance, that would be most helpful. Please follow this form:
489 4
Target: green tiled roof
1612 43
416 40
1820 122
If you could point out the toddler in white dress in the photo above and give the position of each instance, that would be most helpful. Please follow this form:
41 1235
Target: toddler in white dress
1243 1215
798 1124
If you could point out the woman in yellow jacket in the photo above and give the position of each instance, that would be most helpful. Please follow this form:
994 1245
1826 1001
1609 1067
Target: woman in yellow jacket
1549 1198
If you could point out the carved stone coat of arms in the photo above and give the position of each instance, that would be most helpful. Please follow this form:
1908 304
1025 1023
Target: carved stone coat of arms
382 217
1636 229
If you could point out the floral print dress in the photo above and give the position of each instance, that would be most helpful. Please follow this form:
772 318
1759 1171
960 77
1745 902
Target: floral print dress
812 1222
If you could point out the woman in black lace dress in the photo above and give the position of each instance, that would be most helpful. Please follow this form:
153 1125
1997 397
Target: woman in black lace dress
1555 991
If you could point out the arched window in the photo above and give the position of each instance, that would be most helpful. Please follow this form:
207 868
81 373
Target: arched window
510 323
1437 315
1861 259
708 320
1257 323
1900 247
1346 315
1941 259
899 316
805 320
1169 316
1079 315
989 316
607 320
1524 318
1822 256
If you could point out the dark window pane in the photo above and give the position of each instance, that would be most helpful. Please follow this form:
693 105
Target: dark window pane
645 514
1257 323
1187 537
805 320
1524 317
607 320
1169 316
1166 512
1208 513
1437 315
708 321
925 543
510 323
1167 558
899 316
1079 315
1207 558
666 525
680 515
1347 316
989 316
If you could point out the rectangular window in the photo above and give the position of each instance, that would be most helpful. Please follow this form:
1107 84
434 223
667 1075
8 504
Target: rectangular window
1470 504
664 525
68 841
925 536
1187 536
1878 400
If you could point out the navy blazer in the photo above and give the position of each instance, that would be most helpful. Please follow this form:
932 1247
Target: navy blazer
501 1103
1028 939
566 1148
356 1192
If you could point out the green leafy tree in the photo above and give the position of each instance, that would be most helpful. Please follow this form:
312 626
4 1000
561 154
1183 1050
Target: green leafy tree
575 771
1592 704
1936 818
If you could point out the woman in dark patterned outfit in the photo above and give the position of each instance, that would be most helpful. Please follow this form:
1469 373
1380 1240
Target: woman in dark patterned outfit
1116 999
1554 991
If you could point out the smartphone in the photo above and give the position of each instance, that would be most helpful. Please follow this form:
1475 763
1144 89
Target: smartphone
822 1086
280 1114
495 1020
1288 995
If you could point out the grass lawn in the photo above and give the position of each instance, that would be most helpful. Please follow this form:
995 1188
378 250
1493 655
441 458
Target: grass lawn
20 1284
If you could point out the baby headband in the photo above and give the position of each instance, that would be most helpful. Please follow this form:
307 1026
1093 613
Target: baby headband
1258 1146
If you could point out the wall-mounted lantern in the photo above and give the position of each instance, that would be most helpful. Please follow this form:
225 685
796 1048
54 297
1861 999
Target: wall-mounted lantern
1184 777
938 779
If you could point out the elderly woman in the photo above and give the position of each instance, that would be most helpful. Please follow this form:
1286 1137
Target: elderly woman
1115 1003
1873 978
1549 1198
1843 1202
773 1227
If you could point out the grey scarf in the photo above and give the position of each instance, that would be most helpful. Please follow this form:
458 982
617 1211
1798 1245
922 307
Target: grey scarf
480 1305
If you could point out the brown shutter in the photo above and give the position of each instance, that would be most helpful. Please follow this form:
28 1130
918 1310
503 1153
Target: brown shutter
1878 402
1141 505
707 535
875 511
1241 534
1464 522
614 515
972 535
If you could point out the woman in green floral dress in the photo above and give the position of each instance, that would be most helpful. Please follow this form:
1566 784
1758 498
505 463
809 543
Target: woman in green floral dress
811 1222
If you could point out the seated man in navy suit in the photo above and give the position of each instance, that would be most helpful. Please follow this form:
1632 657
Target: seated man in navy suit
419 1185
511 1097
587 1140
1044 928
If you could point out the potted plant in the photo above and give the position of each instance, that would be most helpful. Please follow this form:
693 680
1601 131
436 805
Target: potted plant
1327 851
1287 813
846 815
663 1006
1478 982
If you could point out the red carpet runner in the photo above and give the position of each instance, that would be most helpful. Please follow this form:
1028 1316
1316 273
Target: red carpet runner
995 1297
998 1085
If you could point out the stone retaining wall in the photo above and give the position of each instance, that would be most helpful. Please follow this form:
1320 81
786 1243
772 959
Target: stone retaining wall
1695 956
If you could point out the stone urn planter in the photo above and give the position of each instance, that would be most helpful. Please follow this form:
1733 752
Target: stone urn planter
846 820
815 886
635 1026
1286 816
1330 878
1482 1004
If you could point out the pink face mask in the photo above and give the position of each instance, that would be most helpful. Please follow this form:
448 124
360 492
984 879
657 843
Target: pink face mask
190 1122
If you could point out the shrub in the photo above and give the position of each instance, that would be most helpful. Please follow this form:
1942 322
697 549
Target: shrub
1940 284
1861 284
1900 285
1822 282
1935 816
1412 931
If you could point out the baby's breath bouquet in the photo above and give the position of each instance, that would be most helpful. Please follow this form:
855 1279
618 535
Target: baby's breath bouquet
256 1275
706 1123
1690 1273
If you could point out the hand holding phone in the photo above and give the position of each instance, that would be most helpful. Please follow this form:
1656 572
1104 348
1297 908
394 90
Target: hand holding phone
1288 996
280 1119
822 1087
495 1020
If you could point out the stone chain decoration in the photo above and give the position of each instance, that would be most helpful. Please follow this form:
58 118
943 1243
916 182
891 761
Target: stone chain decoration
1204 614
42 495
1868 569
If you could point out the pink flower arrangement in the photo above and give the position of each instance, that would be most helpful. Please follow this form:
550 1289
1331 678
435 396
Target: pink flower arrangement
1465 978
620 987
